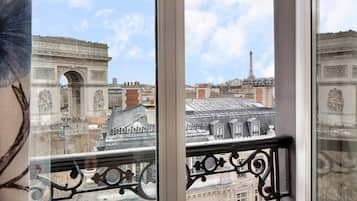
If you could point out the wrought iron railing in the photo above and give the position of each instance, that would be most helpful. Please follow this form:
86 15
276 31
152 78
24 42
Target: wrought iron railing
265 158
336 155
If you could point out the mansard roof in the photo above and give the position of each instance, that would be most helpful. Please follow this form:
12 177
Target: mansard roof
219 105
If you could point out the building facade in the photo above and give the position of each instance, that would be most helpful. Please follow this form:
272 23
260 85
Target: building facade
84 65
337 79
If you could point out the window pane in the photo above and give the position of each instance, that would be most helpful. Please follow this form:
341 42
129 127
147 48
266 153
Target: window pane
93 108
229 90
335 98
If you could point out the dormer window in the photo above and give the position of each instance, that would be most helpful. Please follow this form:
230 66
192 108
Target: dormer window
254 126
255 129
236 128
220 133
217 129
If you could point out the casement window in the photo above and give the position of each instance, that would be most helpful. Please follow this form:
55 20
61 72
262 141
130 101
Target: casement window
333 100
173 39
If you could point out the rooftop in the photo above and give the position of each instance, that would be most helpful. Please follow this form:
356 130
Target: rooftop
220 104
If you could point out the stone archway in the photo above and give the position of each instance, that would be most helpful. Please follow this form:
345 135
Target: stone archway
72 94
84 65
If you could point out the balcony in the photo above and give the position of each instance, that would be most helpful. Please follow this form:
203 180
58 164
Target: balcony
267 159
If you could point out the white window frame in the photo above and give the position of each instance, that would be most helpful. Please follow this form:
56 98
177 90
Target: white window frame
304 106
255 128
170 100
293 88
220 132
238 130
240 196
293 93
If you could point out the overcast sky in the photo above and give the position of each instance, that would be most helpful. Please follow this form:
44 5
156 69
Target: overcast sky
219 34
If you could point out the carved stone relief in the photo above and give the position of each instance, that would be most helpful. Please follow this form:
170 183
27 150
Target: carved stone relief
335 101
44 74
338 71
45 101
98 100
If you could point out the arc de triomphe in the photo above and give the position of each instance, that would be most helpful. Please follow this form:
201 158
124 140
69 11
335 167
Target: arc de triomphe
85 67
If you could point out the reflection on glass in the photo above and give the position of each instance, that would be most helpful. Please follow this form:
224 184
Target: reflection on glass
229 89
93 125
336 102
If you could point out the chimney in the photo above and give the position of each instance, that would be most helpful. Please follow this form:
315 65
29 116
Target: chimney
203 91
131 95
251 73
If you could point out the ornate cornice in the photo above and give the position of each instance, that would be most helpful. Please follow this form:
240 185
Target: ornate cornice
68 40
69 48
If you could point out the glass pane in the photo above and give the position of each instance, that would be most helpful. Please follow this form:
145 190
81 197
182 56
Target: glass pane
335 100
93 125
229 93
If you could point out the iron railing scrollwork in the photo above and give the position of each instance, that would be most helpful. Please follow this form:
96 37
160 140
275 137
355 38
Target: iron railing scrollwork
262 161
110 170
336 156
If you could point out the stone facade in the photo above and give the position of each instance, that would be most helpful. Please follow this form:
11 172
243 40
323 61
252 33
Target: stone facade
84 64
337 114
336 79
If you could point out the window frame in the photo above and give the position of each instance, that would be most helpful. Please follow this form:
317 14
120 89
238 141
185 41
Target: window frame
238 130
171 150
242 196
292 27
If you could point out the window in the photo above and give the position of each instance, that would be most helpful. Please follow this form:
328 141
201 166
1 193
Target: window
256 129
240 92
94 99
254 126
242 196
220 133
242 168
236 128
229 80
334 100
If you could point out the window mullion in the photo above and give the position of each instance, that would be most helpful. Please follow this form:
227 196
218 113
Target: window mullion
171 110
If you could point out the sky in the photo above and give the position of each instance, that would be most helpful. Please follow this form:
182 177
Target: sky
337 15
219 34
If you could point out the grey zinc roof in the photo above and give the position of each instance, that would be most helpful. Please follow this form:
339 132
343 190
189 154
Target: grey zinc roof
204 112
200 113
220 104
122 119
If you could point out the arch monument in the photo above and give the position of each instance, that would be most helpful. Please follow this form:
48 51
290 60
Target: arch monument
85 67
